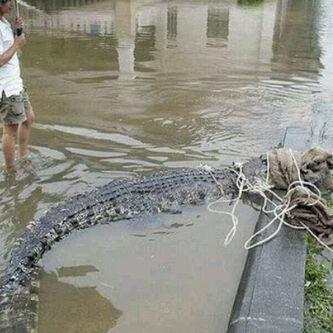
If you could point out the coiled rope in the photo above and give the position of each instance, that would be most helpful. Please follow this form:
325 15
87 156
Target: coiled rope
281 205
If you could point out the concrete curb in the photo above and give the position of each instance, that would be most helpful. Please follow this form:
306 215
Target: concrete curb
270 295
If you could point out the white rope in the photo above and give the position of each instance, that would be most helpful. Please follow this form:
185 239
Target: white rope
281 205
234 219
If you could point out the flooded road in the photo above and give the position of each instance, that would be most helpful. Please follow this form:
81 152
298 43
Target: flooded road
121 88
163 274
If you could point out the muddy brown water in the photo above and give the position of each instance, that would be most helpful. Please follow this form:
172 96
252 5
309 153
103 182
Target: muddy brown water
121 88
162 274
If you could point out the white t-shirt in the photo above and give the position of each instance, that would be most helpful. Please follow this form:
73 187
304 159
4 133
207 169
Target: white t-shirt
10 74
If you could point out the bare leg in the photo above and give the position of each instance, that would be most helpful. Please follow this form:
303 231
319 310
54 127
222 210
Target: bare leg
24 130
8 146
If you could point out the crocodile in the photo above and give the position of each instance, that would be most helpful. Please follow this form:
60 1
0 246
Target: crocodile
122 198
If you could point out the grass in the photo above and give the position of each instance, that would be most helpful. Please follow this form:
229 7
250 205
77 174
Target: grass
249 2
318 296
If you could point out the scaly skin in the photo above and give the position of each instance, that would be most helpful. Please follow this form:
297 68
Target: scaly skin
120 199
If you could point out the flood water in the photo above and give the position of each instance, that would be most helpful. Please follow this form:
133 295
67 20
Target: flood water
125 87
162 274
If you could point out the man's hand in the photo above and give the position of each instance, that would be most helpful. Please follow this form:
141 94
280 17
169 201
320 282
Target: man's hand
19 24
19 41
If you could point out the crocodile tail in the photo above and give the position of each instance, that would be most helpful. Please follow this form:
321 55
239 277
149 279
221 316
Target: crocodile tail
19 307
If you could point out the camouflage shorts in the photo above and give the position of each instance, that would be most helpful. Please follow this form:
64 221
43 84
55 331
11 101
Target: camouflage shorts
14 109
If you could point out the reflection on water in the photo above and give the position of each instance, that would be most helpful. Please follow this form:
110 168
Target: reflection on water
205 72
122 87
164 273
297 54
74 309
217 26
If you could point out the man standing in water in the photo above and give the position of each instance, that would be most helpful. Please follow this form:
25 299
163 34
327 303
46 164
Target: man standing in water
15 109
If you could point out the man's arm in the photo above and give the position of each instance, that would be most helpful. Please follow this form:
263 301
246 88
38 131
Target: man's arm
19 41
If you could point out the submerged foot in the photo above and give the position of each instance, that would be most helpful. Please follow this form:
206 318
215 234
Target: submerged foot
25 164
8 170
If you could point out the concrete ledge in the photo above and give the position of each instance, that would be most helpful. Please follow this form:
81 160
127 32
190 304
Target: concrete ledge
270 296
